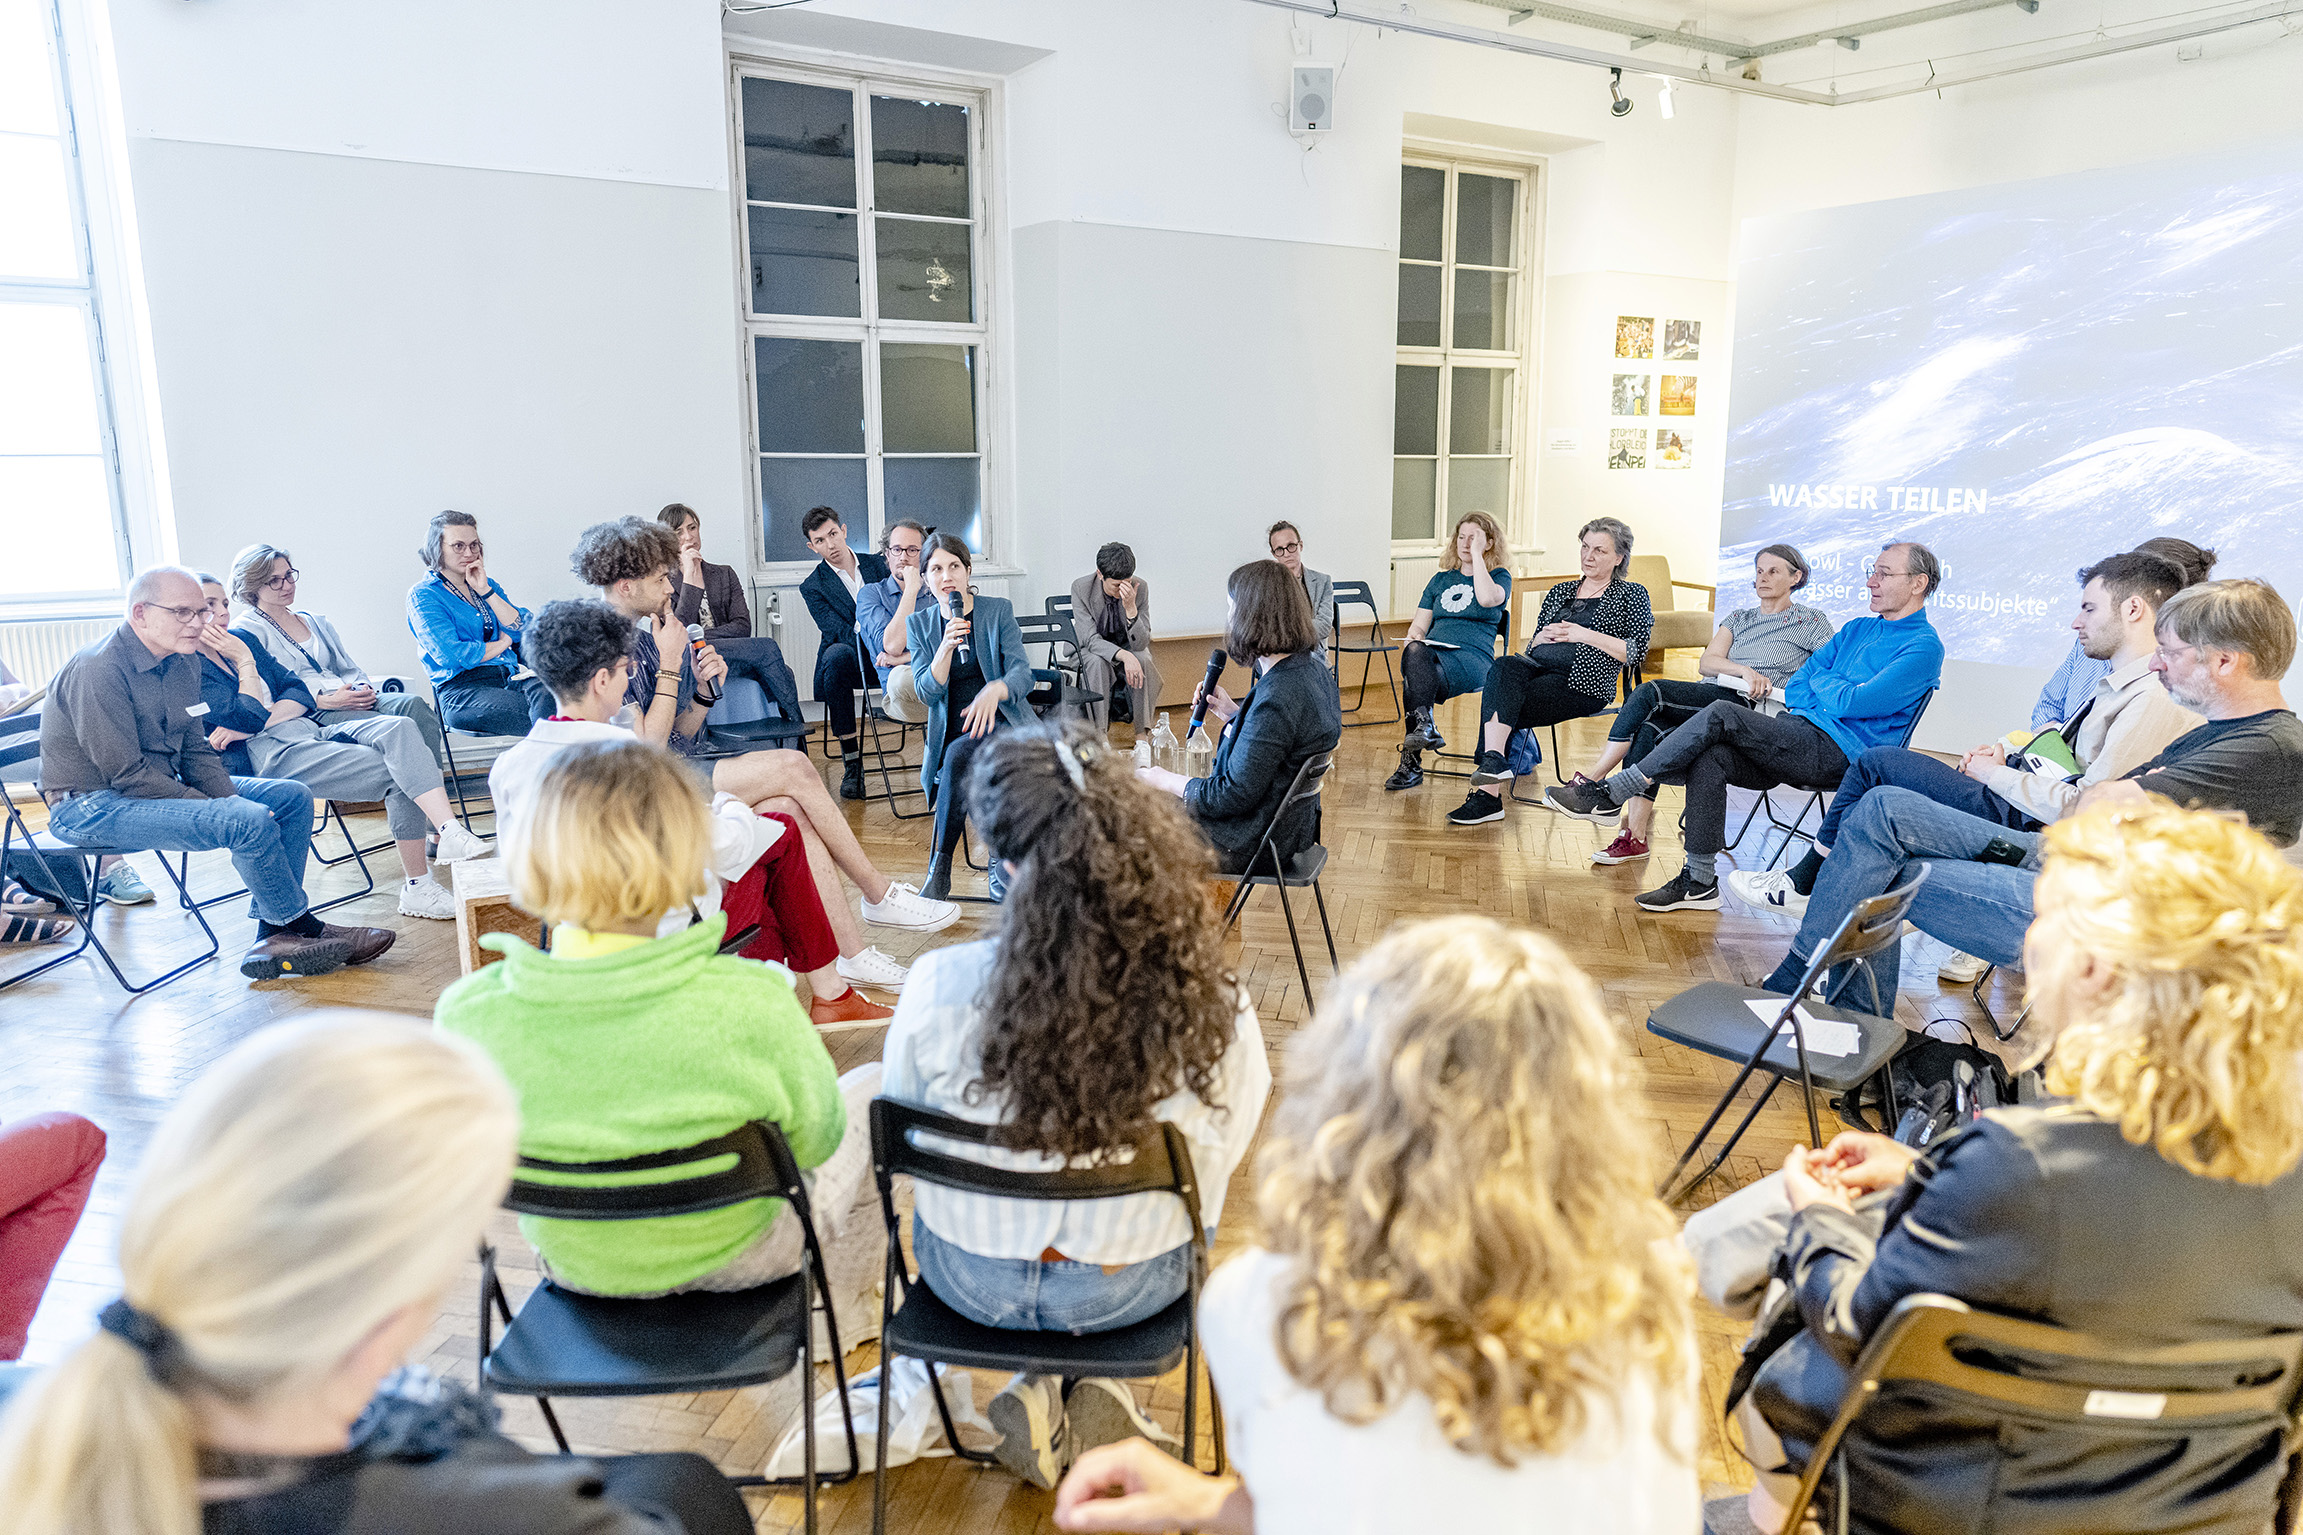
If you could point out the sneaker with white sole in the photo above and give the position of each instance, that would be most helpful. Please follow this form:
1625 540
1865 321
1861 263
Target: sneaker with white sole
873 968
1770 891
1029 1414
1682 894
1960 969
457 844
427 898
122 886
1100 1412
904 906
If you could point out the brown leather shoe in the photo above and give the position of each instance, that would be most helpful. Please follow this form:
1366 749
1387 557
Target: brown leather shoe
285 956
365 943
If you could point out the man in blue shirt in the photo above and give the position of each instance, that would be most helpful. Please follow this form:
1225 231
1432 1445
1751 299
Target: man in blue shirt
1863 689
883 620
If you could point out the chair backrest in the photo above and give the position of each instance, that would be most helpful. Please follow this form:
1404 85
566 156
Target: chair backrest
763 1169
1653 571
1308 780
2042 1371
1357 592
1870 927
1160 1163
1061 604
1917 715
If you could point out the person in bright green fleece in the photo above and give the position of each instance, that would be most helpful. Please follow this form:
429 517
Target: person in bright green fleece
620 1043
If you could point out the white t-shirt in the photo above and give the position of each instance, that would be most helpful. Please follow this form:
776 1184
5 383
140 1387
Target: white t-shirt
1314 1474
852 577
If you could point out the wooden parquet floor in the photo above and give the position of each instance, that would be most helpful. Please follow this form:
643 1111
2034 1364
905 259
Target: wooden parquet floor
71 1040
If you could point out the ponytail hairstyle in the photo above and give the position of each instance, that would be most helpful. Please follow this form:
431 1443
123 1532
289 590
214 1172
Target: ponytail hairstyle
1109 992
321 1177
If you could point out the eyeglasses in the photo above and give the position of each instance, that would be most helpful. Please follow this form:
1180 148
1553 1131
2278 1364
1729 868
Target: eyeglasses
904 548
1280 549
1885 574
285 578
185 617
2167 653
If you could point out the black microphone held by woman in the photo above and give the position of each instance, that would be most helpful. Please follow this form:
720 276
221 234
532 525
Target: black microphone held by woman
965 654
1216 661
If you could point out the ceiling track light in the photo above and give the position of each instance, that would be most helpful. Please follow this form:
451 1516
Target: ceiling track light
1620 106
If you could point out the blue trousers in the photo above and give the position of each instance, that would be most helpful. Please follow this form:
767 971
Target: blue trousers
485 700
267 826
762 660
1052 1297
1902 768
1981 909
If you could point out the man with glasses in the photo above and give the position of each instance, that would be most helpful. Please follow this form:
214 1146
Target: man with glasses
1862 689
124 752
1286 546
884 614
2222 647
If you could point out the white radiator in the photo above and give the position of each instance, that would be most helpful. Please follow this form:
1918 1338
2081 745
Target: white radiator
37 651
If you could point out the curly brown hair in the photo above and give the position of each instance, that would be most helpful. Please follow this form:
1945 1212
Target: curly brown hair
628 549
1110 990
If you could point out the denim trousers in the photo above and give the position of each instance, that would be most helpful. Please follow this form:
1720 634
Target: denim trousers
486 702
267 827
1027 1294
1902 768
1981 909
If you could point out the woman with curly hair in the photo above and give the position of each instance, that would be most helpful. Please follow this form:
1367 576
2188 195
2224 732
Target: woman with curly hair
2158 1204
1467 1311
1102 1008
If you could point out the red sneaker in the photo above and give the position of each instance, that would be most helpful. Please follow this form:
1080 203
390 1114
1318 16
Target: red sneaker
1623 849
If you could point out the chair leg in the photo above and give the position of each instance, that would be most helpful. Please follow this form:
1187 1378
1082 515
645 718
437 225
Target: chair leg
1719 1161
552 1420
1333 965
1191 1394
1240 891
1296 942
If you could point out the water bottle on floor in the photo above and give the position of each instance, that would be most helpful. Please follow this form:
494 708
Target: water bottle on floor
1167 752
1143 751
1199 755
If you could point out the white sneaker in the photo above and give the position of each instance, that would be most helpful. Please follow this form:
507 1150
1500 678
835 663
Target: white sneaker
1769 892
1029 1414
457 844
873 968
904 906
1960 969
427 898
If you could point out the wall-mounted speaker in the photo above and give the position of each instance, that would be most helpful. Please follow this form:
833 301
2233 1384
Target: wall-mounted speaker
1311 98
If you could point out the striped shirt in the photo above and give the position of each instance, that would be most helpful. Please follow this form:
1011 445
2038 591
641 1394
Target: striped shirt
934 1053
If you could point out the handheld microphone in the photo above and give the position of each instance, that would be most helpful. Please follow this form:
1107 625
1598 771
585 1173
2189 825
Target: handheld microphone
1216 661
966 653
695 637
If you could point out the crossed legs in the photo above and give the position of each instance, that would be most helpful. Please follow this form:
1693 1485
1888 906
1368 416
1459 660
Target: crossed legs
786 783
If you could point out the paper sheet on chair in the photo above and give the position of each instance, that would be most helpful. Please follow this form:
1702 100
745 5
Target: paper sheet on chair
1825 1036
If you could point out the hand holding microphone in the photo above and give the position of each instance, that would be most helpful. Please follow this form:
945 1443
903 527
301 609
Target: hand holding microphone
1208 690
709 667
960 628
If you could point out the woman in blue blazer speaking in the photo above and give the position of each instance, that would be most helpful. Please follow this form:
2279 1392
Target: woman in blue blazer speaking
973 676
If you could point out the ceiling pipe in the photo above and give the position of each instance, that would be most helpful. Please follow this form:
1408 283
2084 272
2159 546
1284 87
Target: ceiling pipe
1644 33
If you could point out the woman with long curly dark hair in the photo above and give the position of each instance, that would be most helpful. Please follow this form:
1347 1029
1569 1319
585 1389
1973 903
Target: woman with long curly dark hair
1103 1007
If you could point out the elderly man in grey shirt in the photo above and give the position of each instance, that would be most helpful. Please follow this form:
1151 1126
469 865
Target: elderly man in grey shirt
124 748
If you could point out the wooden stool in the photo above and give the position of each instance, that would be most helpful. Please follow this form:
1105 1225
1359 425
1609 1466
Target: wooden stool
484 905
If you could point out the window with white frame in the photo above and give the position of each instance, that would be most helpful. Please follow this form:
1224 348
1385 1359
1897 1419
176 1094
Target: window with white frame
864 225
1462 370
65 535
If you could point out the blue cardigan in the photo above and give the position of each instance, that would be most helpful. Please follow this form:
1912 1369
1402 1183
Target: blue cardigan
999 647
1863 687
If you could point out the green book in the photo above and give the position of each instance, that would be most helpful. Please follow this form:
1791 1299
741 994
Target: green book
2049 746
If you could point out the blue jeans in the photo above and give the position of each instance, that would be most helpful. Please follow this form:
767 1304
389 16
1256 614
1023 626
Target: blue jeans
1027 1294
267 827
1883 766
1981 909
486 701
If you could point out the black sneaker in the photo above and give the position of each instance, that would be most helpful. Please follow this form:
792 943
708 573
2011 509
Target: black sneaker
852 780
1491 769
1584 800
1478 807
1410 772
1682 894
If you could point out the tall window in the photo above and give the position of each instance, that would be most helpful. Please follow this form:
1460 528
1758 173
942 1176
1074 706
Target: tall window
1461 375
864 220
64 533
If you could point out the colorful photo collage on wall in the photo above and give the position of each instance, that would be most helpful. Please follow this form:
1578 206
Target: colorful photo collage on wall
1632 395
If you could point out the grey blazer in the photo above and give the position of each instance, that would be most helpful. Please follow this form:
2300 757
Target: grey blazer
1087 601
1321 589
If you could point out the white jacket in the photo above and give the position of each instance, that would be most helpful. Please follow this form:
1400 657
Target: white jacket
2130 720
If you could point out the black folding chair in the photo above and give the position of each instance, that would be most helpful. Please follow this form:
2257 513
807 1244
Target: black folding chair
2035 1374
455 773
1358 594
354 854
920 1325
1056 684
562 1343
1305 868
1813 805
23 746
1717 1019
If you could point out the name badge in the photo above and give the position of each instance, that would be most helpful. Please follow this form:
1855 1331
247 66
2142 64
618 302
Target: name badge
196 710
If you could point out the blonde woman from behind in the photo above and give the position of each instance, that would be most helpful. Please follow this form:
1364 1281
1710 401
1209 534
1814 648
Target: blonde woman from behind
1467 1312
296 1225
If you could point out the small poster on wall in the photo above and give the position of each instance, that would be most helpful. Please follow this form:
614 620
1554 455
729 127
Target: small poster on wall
1674 449
1565 439
1678 395
1631 394
1682 340
1627 448
1634 336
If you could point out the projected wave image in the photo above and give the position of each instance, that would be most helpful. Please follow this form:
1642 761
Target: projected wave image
2025 378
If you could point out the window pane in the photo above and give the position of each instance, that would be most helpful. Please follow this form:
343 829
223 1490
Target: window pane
27 89
799 144
1483 209
944 493
1479 412
59 526
47 394
791 487
811 395
1479 485
919 157
36 228
927 398
1422 202
1413 481
1415 410
1483 310
924 271
805 263
1418 305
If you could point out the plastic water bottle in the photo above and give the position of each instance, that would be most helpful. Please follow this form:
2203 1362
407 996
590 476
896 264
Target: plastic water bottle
1143 751
1167 752
1199 755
